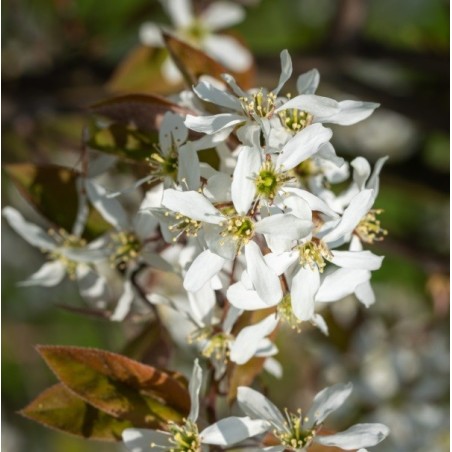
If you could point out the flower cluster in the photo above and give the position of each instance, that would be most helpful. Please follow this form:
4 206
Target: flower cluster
256 232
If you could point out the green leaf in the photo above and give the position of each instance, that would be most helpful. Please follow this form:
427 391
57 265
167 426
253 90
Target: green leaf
193 63
59 408
119 386
141 71
51 189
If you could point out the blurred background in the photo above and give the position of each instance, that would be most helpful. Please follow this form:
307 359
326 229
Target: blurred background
59 56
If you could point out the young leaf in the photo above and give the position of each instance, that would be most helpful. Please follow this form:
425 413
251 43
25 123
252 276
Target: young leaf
118 385
194 62
141 71
51 189
144 111
59 408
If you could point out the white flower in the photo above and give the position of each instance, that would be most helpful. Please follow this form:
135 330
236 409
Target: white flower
186 437
299 431
68 254
200 31
242 107
128 246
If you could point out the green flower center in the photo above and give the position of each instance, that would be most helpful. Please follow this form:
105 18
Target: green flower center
185 437
268 181
65 240
295 436
314 253
286 314
369 229
126 247
240 228
195 33
259 104
295 120
164 166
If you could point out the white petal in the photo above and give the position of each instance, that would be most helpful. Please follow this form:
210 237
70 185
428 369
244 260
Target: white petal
365 294
298 207
308 82
248 340
243 188
340 283
281 262
189 172
144 223
264 279
231 317
303 145
110 209
124 303
171 72
172 132
150 34
373 182
210 93
318 106
191 204
92 286
218 188
50 274
230 80
213 124
140 440
193 388
30 232
359 435
273 367
286 70
232 430
229 52
353 214
361 171
180 12
221 15
305 285
257 406
313 201
365 260
319 322
284 225
242 298
327 401
350 112
203 268
202 304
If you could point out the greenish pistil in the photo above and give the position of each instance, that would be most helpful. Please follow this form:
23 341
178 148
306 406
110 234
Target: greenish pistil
295 120
268 181
286 314
218 347
369 229
195 33
164 166
185 437
259 104
313 254
126 247
240 228
65 240
295 436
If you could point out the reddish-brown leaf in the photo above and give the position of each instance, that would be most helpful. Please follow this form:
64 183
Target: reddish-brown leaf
61 409
194 62
118 385
145 111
